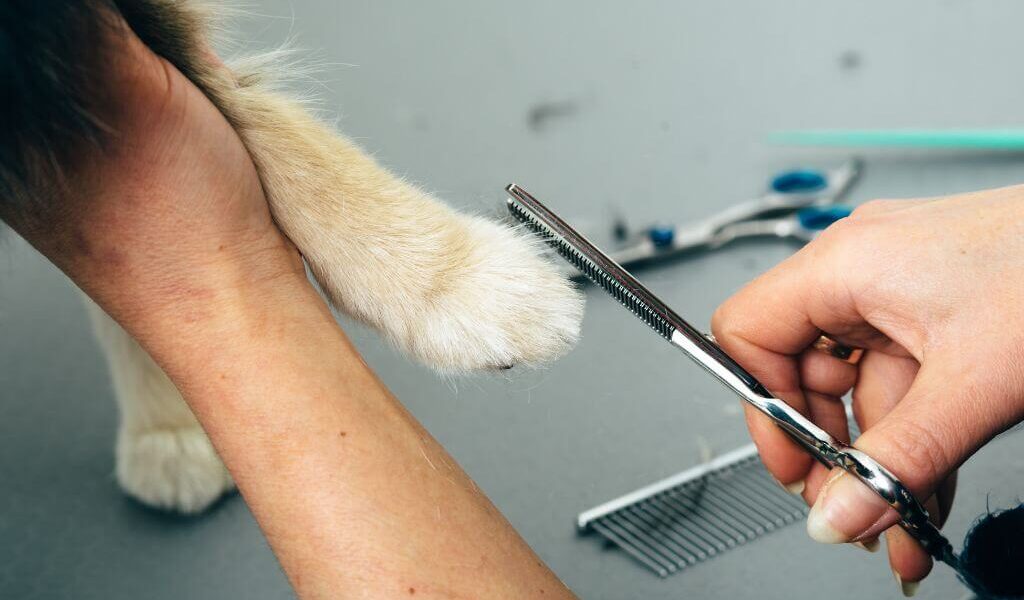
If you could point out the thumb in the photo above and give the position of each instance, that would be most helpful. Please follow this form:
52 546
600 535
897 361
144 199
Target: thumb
922 441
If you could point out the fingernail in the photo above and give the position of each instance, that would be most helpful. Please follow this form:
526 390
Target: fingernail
844 510
796 488
869 545
908 588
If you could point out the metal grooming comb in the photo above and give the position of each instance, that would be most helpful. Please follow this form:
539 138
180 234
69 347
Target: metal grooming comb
697 514
687 518
704 351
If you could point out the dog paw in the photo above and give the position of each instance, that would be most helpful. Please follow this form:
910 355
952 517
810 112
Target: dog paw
457 292
172 469
499 303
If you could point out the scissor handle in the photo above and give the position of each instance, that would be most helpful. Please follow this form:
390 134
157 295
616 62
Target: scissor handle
823 446
914 517
788 192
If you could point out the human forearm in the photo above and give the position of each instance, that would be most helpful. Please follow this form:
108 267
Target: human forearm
168 229
353 494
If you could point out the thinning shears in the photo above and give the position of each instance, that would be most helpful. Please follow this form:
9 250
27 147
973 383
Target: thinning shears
608 274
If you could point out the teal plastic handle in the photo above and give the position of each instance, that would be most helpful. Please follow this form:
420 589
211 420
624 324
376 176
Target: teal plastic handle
966 139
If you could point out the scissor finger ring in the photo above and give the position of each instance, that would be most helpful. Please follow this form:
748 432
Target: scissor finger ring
843 352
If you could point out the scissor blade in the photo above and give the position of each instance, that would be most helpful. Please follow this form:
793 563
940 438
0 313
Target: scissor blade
625 288
593 263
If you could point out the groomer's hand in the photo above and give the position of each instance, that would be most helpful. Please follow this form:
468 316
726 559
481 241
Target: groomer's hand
933 290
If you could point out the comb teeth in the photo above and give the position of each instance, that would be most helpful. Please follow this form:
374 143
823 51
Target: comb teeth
700 519
700 513
593 272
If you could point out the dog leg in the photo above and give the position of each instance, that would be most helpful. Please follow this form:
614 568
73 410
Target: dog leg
163 456
455 291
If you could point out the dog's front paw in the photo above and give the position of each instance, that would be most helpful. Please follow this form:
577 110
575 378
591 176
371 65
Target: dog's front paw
172 469
457 292
499 303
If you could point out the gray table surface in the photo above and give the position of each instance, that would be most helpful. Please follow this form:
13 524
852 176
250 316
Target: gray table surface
659 109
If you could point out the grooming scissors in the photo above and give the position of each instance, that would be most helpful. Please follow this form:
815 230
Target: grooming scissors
702 348
797 205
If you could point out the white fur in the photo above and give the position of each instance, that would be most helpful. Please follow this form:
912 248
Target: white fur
457 292
164 458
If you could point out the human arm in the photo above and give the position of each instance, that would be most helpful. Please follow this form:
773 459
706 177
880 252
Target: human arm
166 227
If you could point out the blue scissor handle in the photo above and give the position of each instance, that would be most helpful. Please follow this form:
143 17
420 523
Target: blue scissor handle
661 235
818 218
799 181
